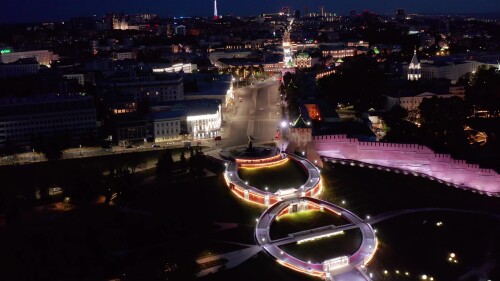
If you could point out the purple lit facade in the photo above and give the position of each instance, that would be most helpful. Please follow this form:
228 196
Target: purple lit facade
410 158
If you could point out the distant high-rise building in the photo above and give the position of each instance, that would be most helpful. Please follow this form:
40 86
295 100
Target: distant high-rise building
180 30
215 10
400 14
297 14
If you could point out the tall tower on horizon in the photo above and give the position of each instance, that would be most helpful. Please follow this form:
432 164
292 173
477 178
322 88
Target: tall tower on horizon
215 10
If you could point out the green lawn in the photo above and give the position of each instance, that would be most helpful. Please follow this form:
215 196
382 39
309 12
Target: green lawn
305 220
370 191
326 248
289 174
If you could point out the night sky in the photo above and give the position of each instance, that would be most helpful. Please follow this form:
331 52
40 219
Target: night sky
45 10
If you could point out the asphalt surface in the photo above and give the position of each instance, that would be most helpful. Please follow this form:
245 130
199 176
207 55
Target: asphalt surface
257 114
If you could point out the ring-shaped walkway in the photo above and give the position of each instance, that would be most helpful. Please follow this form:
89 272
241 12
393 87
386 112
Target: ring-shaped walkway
351 265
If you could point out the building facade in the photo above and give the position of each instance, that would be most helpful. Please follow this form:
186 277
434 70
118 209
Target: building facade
155 87
303 60
23 119
42 56
19 68
189 119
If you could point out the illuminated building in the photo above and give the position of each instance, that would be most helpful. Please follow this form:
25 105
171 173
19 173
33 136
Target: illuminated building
184 67
414 69
288 61
414 159
303 60
194 119
42 56
440 67
338 52
301 130
167 125
120 24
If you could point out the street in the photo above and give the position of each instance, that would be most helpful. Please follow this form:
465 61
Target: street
256 115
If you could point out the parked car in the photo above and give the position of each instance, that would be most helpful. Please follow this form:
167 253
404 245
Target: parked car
155 145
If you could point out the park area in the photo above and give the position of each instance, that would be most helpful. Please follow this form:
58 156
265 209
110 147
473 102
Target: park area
156 230
282 176
305 220
317 251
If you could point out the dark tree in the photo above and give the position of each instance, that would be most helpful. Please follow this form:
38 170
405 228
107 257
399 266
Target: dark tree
358 82
443 122
483 89
183 161
399 130
165 165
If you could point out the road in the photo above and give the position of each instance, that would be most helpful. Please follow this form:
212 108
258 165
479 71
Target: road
257 114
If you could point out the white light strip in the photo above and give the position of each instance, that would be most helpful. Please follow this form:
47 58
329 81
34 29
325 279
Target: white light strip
320 236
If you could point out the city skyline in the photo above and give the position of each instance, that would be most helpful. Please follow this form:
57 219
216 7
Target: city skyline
54 10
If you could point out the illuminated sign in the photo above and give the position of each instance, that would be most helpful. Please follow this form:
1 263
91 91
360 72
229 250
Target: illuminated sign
5 51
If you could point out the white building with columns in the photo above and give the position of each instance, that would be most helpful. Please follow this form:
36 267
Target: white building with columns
188 119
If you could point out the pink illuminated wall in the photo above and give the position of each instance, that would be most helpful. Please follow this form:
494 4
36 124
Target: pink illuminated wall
412 158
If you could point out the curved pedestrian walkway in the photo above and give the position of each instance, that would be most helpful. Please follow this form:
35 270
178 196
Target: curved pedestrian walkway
350 268
311 188
328 269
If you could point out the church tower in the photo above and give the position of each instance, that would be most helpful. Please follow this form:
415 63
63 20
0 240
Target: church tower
414 70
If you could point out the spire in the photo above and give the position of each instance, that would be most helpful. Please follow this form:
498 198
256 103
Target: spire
414 59
414 69
215 10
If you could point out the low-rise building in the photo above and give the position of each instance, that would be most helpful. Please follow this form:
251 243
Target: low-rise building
167 125
219 87
21 67
215 56
152 86
184 67
303 60
188 119
21 119
42 56
440 68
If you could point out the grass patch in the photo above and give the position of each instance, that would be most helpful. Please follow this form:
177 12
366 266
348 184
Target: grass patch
326 248
289 174
473 238
305 220
370 191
